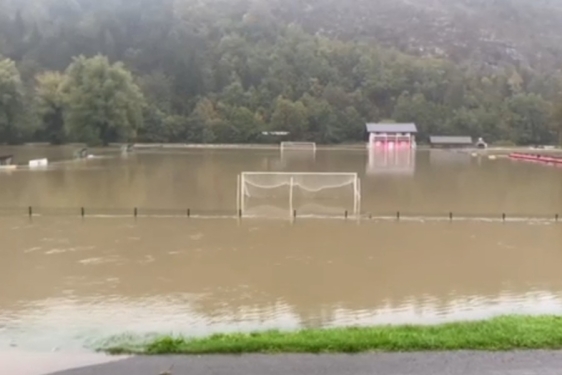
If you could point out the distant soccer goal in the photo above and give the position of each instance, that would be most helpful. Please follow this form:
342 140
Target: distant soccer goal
297 146
308 194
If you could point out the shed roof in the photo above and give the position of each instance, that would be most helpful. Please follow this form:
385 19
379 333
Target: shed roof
450 140
391 128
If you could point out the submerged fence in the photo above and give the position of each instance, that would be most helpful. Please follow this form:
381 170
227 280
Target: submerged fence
196 213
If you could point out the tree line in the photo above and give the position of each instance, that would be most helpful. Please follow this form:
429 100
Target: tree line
184 71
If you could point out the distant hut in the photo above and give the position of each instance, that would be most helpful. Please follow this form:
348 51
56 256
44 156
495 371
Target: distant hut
481 143
450 141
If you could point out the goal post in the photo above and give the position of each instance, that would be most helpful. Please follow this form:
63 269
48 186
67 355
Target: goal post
297 146
312 194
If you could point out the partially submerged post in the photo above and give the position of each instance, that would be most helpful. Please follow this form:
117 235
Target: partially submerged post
82 153
127 149
6 160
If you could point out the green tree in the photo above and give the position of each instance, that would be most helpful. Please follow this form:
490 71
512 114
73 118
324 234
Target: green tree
322 120
207 119
247 124
208 70
157 89
11 102
415 108
103 102
153 129
557 119
352 125
289 116
530 119
51 103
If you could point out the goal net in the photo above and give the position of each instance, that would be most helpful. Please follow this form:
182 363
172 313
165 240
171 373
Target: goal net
308 194
298 146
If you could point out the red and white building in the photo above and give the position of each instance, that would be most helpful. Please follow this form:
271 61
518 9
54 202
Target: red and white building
392 135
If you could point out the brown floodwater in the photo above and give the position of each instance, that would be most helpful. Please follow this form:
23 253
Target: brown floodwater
67 282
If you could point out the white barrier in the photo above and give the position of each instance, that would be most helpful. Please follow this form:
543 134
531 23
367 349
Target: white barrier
38 163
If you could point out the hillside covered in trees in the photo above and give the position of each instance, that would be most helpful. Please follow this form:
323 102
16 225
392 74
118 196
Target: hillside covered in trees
226 70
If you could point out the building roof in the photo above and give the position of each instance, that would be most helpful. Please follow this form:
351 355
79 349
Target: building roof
391 128
450 140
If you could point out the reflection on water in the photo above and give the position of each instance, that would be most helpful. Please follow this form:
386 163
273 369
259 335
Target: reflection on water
395 160
205 181
450 158
68 281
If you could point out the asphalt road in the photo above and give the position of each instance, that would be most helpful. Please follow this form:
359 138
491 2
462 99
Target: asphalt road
449 363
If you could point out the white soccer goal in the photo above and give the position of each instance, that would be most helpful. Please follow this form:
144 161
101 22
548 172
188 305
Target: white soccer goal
306 194
297 146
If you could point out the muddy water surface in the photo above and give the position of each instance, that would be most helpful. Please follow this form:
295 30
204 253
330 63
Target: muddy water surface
68 281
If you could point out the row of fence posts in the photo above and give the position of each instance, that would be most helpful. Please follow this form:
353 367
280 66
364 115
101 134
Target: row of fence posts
346 214
451 216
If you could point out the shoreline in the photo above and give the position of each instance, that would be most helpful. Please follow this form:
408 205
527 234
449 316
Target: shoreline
360 146
497 334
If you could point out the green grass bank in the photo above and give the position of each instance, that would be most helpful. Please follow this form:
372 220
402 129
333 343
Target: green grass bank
502 333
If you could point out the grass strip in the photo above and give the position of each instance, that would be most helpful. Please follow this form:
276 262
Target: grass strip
498 334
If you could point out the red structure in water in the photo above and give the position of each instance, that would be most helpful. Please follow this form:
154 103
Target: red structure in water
537 158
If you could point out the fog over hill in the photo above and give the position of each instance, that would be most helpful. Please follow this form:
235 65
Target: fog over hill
225 70
487 31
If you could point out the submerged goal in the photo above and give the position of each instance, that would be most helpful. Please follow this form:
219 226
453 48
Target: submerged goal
306 194
297 146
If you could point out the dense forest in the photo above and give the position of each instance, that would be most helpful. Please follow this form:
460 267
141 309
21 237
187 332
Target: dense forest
207 71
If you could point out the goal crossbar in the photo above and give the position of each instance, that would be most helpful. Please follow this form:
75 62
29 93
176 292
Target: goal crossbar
298 146
350 174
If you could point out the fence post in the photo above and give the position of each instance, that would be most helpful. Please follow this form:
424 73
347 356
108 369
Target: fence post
397 215
189 212
503 216
82 211
240 213
135 212
450 216
294 214
30 210
345 214
556 217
